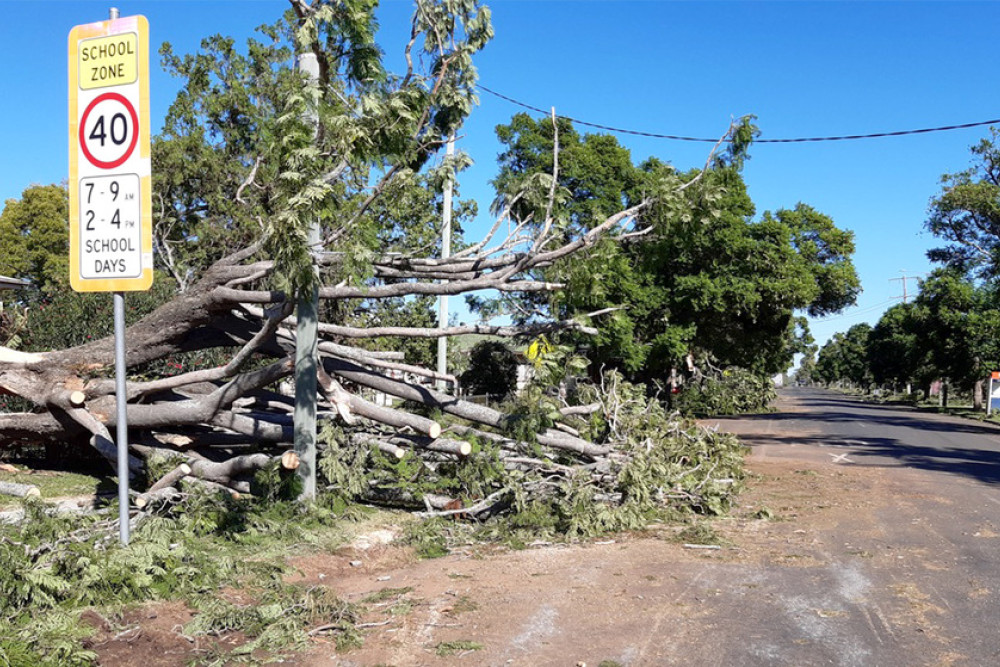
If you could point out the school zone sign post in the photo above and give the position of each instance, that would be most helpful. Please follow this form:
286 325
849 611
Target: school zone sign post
110 187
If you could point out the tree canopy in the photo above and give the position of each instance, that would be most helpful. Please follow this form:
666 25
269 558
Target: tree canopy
35 244
698 276
966 215
950 330
845 356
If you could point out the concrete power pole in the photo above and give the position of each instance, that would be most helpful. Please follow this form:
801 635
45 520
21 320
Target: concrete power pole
307 318
442 365
903 280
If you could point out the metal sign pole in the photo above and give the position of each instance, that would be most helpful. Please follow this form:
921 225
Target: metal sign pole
110 185
121 400
121 439
989 396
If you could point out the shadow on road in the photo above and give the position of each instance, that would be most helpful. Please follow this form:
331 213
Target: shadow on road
982 465
891 436
839 409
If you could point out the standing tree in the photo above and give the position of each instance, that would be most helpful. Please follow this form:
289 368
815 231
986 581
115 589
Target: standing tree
967 214
899 351
845 357
959 327
35 244
698 276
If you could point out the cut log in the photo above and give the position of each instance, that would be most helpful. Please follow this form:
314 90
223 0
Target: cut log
445 445
174 439
160 496
225 471
390 449
581 409
171 478
454 406
290 460
19 490
396 445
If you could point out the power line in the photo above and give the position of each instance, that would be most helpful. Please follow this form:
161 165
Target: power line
797 140
855 313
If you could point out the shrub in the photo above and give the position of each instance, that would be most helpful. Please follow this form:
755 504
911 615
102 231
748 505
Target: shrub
733 391
492 370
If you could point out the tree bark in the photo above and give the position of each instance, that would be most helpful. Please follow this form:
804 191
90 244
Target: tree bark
19 490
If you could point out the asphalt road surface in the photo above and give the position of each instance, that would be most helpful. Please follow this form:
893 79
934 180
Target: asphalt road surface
904 565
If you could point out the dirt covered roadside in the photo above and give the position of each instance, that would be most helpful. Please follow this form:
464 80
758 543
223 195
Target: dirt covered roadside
821 563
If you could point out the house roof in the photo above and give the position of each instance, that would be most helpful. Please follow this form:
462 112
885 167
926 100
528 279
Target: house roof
13 283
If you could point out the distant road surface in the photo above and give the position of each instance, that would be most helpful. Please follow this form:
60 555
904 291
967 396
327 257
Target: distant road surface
906 552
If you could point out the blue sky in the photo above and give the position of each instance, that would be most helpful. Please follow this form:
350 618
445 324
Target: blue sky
803 68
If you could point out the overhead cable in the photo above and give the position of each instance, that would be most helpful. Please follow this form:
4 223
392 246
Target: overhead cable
855 313
798 140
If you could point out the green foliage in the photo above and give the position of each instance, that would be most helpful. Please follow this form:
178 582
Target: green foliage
411 312
949 331
666 465
705 278
253 151
429 538
344 468
966 215
733 391
492 370
444 649
845 357
53 566
959 327
33 239
277 618
699 532
66 319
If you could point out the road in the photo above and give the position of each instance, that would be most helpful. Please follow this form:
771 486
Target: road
876 435
906 559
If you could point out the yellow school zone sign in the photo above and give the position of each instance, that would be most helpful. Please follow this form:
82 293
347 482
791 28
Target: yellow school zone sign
110 188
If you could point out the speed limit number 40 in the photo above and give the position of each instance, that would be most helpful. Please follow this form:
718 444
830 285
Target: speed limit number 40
110 198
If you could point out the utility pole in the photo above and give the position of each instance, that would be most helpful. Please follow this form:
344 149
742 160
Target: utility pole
442 365
306 318
903 280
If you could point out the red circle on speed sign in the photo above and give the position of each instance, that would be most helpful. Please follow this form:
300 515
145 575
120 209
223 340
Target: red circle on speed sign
114 138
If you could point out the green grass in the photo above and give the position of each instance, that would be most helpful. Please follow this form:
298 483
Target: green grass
57 484
699 533
208 543
455 647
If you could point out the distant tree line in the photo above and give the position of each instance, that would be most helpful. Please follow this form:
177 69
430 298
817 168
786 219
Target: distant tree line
951 330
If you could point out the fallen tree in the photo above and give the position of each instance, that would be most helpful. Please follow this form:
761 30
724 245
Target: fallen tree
344 152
